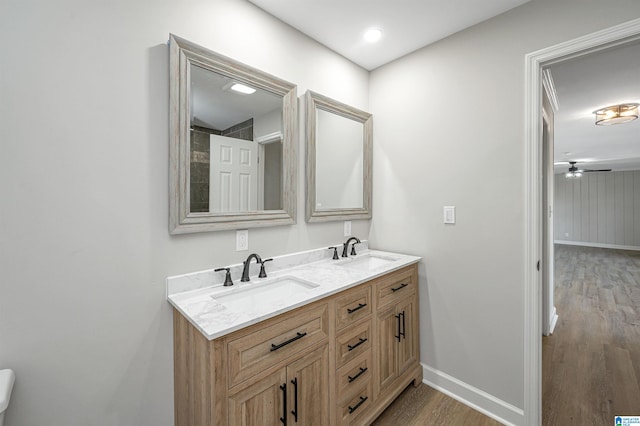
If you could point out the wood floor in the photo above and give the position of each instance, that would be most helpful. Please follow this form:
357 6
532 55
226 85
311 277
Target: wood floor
424 406
591 364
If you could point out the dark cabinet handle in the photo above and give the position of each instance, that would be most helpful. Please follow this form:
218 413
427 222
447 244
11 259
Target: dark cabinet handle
403 285
355 407
357 308
352 347
403 326
283 419
295 399
399 332
299 335
360 373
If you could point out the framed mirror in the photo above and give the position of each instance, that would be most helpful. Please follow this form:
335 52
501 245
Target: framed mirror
339 160
233 138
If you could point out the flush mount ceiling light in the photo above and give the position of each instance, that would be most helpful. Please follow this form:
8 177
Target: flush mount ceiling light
616 114
242 88
372 35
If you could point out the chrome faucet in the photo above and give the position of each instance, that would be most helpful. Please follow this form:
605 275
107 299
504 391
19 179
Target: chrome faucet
345 246
245 270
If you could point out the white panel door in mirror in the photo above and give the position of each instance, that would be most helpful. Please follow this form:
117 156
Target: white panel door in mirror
234 175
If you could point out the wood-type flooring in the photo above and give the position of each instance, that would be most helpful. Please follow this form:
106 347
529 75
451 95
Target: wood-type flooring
591 363
426 406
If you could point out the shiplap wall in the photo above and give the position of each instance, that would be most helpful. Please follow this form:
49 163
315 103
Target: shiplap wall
599 208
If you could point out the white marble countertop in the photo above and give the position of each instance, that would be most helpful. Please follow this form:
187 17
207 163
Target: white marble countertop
194 295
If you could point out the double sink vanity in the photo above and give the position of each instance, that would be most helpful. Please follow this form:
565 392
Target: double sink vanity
310 338
319 341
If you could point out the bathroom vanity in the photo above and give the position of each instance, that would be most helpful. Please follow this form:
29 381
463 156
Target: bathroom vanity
320 341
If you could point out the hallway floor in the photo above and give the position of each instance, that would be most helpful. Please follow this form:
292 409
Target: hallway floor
591 364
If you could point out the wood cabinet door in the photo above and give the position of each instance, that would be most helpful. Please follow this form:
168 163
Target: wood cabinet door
387 347
407 346
308 389
260 404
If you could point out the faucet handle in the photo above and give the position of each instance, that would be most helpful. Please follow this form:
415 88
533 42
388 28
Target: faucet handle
227 279
335 252
263 273
353 248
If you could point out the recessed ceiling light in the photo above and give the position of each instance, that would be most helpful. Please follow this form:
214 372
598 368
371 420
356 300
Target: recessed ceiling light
243 89
372 35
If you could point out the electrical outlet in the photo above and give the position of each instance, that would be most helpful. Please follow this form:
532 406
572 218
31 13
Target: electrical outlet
242 240
347 228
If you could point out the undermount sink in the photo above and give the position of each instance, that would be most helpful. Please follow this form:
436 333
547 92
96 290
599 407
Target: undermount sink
366 262
261 294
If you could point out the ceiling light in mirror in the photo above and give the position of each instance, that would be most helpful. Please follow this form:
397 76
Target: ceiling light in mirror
243 89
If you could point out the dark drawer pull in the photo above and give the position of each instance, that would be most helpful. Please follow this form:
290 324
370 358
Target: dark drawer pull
352 347
293 339
360 373
357 308
403 285
355 407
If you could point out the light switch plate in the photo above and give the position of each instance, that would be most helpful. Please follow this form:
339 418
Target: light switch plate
242 240
449 214
347 228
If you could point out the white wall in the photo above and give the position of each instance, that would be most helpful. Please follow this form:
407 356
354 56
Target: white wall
268 123
453 134
600 208
84 242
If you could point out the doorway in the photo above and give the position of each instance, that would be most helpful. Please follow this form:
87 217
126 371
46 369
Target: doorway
533 250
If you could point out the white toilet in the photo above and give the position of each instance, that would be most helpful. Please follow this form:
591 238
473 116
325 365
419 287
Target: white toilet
7 377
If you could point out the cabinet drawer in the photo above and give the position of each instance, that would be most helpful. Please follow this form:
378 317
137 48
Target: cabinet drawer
353 306
353 342
250 353
351 376
352 408
396 286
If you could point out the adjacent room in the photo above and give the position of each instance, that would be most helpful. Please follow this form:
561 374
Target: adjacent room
591 362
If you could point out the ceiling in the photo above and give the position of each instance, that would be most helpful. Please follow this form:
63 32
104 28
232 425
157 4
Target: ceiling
585 84
407 25
215 106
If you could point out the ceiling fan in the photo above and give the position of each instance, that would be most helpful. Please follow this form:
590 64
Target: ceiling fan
574 172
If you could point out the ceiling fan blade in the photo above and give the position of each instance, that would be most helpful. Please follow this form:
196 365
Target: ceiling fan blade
599 170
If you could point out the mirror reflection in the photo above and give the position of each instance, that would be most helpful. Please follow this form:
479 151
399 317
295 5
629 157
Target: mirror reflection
233 161
235 145
339 157
339 162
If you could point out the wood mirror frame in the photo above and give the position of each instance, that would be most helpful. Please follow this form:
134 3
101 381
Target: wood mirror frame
182 55
314 102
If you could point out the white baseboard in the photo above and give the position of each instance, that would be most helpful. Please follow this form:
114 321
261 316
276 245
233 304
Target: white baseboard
610 246
554 321
477 399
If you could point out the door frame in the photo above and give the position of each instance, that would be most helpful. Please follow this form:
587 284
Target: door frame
549 108
532 309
